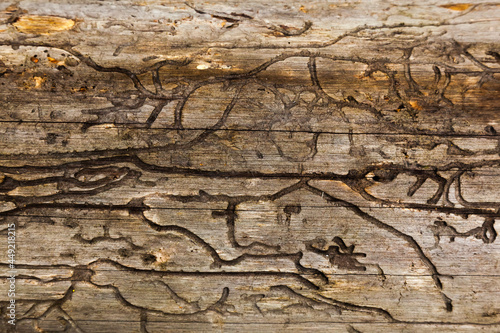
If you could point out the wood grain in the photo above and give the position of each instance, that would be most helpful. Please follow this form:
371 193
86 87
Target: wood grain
251 166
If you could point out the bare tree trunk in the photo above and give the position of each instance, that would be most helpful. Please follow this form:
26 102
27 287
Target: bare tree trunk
249 166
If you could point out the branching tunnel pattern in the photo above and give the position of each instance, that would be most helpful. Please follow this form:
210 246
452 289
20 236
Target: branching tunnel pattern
78 182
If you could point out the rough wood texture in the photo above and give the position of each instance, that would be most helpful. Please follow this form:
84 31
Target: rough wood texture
251 166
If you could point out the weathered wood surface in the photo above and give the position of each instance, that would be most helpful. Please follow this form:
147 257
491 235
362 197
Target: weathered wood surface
251 166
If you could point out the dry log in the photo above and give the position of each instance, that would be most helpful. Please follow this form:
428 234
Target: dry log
250 166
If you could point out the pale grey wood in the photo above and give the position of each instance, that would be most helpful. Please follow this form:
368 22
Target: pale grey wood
251 166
